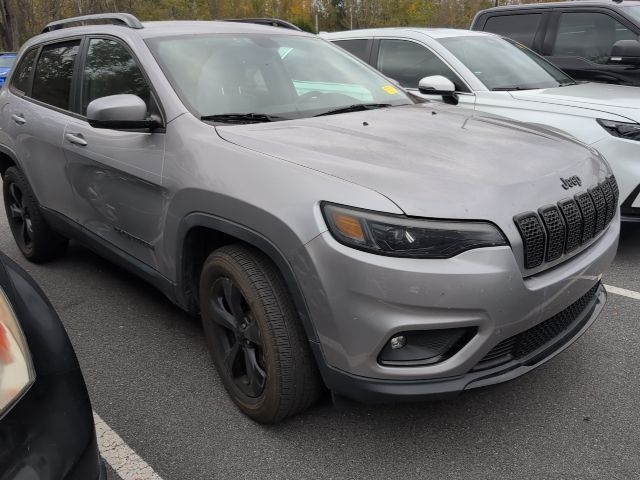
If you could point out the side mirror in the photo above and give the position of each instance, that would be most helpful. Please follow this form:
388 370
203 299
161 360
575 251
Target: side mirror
120 112
439 85
626 52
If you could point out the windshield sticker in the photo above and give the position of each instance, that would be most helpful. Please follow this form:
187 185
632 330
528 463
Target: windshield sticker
390 89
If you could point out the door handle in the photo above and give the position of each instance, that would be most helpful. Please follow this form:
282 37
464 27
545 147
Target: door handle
76 139
19 119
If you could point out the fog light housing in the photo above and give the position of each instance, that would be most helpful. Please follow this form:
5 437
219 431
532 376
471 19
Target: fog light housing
424 347
397 342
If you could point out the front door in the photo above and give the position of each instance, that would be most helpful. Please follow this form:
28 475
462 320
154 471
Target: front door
116 175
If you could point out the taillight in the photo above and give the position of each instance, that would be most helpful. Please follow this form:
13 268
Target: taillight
16 369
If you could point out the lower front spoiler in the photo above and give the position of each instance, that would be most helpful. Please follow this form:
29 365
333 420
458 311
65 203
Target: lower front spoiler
371 390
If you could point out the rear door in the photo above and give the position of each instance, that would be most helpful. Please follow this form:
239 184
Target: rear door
580 40
116 175
40 106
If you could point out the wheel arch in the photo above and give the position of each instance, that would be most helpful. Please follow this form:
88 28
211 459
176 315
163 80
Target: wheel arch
201 233
7 159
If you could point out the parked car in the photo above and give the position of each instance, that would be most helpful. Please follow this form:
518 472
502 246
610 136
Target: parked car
6 62
46 422
589 40
488 73
324 225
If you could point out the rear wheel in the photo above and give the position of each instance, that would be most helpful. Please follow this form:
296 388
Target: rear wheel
256 340
35 239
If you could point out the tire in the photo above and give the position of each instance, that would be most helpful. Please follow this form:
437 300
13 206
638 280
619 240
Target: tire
256 340
35 239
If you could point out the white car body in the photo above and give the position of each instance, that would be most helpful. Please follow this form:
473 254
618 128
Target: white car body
573 109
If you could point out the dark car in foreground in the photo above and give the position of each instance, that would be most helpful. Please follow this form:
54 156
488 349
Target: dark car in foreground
7 60
46 422
596 41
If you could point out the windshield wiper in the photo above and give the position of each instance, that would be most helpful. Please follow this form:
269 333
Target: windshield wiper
241 118
566 84
511 87
358 107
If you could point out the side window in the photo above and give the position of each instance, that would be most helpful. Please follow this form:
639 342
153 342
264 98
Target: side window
589 35
111 70
54 71
359 47
521 28
408 62
22 77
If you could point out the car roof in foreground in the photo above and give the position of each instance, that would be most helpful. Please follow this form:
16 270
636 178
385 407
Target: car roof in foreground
575 4
166 29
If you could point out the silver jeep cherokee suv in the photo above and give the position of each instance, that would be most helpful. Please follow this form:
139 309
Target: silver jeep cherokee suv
327 228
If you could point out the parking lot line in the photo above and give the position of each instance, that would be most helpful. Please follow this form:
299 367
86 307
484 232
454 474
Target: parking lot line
623 291
126 463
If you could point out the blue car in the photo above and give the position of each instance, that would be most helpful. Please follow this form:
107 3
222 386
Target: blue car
6 62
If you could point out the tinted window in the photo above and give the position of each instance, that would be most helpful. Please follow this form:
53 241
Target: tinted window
408 62
521 28
111 70
54 71
22 75
359 48
589 35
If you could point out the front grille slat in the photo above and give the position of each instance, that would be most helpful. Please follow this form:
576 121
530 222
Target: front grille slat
601 207
533 237
574 222
556 232
544 334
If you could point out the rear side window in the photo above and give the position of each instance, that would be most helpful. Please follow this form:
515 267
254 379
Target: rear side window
359 47
521 28
408 62
54 71
22 76
111 70
589 35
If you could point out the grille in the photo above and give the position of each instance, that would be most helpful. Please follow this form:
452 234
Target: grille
551 331
557 230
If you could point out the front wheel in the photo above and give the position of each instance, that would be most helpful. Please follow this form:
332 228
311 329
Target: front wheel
256 340
35 239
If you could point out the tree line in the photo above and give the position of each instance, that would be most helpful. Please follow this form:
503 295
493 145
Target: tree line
21 19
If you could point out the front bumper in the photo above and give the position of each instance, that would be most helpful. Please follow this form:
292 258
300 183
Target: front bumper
371 390
358 301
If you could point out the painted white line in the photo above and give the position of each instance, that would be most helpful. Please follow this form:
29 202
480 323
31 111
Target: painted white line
623 291
126 463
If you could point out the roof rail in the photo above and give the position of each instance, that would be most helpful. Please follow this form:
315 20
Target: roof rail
273 22
125 19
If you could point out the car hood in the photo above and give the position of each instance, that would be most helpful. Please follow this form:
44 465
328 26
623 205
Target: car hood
601 97
432 160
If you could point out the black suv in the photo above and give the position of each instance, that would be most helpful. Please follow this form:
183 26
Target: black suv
590 40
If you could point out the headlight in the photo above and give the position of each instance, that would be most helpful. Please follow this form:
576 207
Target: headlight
628 130
16 370
400 236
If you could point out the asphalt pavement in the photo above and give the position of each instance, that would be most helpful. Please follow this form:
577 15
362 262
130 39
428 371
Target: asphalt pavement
151 380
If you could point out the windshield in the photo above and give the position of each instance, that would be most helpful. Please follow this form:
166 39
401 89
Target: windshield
634 11
6 61
502 64
271 77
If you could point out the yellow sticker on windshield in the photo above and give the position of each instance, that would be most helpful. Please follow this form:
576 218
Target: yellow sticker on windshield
390 89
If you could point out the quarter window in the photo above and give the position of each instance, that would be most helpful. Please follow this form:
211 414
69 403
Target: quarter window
408 62
521 28
22 77
111 70
54 71
589 35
